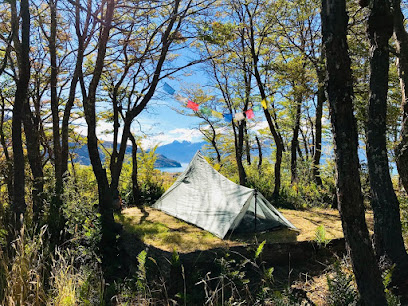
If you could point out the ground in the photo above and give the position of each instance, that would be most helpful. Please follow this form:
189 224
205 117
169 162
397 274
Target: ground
165 232
162 234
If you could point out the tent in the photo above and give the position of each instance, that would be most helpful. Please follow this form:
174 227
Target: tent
204 197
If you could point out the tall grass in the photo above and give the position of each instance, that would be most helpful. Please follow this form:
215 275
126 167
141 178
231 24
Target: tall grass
22 274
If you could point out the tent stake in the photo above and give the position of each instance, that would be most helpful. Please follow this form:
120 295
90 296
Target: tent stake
255 207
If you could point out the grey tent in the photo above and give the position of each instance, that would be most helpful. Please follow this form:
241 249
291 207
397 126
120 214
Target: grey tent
204 197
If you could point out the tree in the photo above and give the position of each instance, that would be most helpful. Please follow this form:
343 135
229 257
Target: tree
401 38
22 49
255 51
387 222
340 93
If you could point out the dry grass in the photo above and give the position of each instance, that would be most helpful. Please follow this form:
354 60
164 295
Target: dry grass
167 233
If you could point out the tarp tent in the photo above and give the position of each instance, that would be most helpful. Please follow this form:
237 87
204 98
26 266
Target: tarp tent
204 197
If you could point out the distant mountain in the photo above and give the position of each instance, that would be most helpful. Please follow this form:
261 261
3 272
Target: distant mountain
82 156
181 151
164 162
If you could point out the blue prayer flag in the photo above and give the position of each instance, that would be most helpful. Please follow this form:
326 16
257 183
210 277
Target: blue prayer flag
170 90
228 117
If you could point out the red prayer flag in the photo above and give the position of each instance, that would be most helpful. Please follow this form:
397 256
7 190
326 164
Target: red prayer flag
250 114
192 105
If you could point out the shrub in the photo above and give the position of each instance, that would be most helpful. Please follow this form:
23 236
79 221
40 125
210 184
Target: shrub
341 287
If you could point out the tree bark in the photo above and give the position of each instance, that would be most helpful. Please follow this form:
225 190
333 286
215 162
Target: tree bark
247 145
259 152
401 35
135 184
295 142
18 206
272 125
317 152
8 172
239 152
32 136
82 43
387 223
108 241
350 200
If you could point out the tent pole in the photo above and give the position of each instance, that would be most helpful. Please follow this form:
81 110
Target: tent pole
255 207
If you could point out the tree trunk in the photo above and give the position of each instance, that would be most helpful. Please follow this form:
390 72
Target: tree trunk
74 82
108 241
8 175
295 142
387 222
135 184
32 135
56 220
18 206
317 152
350 200
239 150
247 145
401 150
259 152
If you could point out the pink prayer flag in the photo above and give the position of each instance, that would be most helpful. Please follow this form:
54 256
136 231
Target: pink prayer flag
250 114
192 105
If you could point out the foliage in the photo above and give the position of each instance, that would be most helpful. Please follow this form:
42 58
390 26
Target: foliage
150 180
392 300
341 287
81 214
22 274
320 236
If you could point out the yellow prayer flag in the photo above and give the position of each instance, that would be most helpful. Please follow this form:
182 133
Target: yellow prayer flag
264 105
217 114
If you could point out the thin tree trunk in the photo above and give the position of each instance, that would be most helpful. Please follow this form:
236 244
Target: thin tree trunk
272 125
74 82
317 152
387 222
18 206
56 219
135 184
350 200
32 135
295 142
401 35
247 146
9 162
239 150
108 240
259 152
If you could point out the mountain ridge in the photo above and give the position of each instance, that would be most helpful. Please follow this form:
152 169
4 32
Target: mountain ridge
169 155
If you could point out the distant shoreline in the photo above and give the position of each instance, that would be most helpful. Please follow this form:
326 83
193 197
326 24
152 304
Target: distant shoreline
173 169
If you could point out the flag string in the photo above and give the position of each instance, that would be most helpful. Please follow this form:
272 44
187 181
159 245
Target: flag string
248 114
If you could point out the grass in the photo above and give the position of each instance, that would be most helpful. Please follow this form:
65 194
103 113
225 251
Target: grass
162 231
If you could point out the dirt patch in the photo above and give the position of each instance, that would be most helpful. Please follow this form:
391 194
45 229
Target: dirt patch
165 232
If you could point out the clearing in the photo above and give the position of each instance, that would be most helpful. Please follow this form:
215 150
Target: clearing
167 233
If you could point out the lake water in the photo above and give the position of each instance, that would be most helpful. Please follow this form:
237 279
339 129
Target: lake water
174 169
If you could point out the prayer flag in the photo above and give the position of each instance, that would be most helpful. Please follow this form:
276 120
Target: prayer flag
192 105
228 117
217 114
264 105
167 88
250 114
180 98
239 116
256 108
206 111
